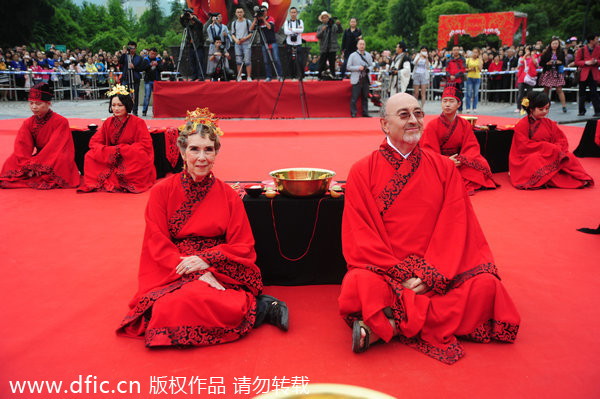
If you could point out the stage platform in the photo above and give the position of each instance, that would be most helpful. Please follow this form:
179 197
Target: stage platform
256 99
70 265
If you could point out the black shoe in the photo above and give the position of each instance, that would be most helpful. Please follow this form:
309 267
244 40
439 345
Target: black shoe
277 313
564 110
597 115
144 113
581 114
366 116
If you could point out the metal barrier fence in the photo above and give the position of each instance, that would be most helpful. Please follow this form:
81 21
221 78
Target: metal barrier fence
71 85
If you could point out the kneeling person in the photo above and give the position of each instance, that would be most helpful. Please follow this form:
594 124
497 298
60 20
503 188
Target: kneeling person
44 155
218 63
453 136
198 281
419 266
121 155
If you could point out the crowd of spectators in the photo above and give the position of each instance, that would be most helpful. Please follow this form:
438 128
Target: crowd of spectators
81 69
432 67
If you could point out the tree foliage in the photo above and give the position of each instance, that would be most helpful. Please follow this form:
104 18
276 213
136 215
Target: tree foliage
383 22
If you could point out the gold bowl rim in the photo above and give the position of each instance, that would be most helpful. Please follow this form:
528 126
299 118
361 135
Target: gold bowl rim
302 169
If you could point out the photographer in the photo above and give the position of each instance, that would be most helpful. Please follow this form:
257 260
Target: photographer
359 63
132 66
327 34
195 37
293 29
153 65
266 25
216 30
241 35
218 62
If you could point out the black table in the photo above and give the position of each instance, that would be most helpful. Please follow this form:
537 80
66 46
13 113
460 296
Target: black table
587 145
295 220
495 145
81 140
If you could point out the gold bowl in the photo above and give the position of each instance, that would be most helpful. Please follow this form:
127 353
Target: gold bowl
471 119
302 182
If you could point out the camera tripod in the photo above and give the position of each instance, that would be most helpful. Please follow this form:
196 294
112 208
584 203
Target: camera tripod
263 43
184 36
300 70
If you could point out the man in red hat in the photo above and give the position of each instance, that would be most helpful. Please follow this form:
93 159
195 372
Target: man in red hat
419 266
452 136
44 155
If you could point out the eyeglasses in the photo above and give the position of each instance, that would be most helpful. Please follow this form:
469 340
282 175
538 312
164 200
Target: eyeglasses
405 115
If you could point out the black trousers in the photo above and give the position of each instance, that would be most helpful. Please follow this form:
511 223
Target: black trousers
330 56
136 94
362 89
295 61
593 85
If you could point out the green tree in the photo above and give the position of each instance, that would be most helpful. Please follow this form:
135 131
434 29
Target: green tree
152 21
92 18
404 18
538 24
429 30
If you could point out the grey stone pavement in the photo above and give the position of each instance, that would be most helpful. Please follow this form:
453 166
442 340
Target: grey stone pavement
99 109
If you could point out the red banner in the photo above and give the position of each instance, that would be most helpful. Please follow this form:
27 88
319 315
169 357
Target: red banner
503 24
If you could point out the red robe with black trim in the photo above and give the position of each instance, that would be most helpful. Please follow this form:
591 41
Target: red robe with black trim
413 218
206 219
121 157
539 157
44 148
457 137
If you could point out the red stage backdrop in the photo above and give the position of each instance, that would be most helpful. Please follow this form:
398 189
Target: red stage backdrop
503 24
254 99
278 9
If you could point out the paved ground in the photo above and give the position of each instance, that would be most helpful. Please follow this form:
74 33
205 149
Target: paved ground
99 109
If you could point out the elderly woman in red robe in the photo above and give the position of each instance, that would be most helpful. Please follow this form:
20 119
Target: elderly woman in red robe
44 155
452 136
198 283
121 155
539 155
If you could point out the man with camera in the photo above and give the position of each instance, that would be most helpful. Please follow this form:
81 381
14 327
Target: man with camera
293 29
132 66
400 70
195 39
218 62
359 63
241 35
327 34
153 65
266 24
216 29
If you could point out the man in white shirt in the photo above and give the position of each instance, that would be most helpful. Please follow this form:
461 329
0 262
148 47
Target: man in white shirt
293 29
241 34
359 64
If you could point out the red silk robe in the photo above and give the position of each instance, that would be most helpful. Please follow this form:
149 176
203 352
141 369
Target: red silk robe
539 157
121 158
206 219
412 218
45 147
457 137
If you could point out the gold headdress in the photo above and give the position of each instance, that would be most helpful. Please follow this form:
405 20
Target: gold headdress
525 102
119 89
199 117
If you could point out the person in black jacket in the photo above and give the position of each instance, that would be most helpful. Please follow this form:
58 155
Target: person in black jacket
195 40
153 65
132 66
351 36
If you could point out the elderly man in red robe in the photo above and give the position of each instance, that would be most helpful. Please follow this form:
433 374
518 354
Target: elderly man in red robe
419 266
453 137
44 155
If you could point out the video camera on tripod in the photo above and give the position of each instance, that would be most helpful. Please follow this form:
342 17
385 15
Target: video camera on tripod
187 16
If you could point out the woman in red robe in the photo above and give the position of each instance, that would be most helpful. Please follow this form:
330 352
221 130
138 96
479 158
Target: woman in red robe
539 155
44 155
197 280
453 137
121 155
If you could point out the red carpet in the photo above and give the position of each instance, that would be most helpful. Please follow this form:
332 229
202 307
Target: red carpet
70 267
